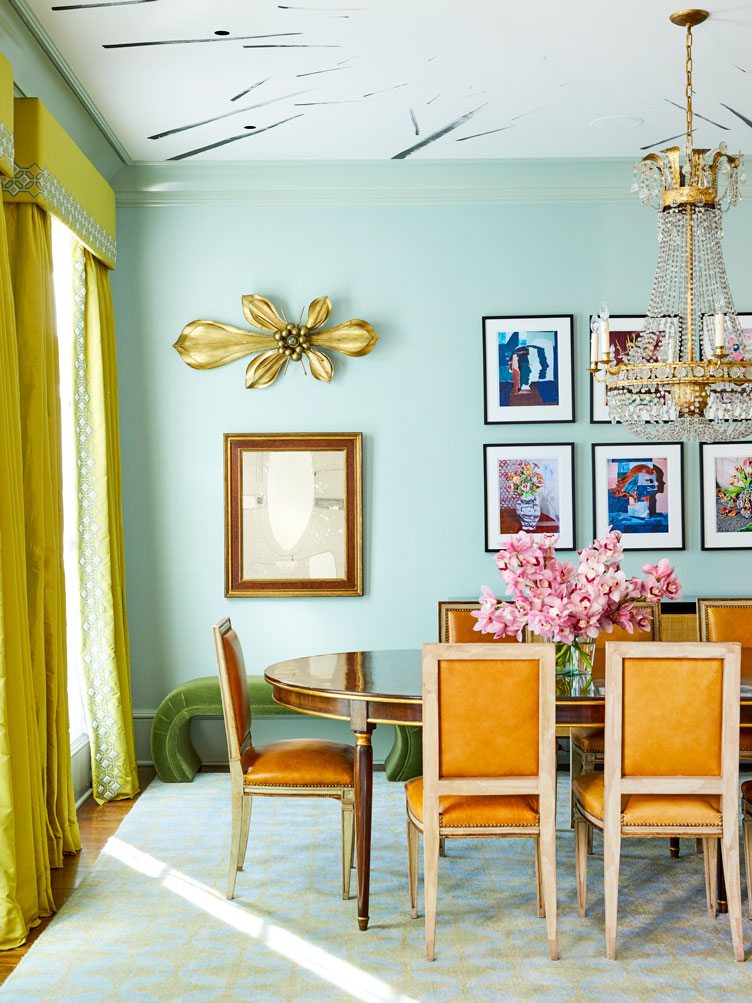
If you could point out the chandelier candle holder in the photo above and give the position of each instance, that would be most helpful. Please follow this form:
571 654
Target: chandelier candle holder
688 375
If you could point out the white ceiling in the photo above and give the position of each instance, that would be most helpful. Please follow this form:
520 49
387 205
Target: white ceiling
372 78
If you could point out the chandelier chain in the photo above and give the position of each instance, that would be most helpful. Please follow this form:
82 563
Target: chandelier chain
688 94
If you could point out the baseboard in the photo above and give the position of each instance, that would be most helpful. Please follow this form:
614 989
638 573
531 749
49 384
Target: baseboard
81 769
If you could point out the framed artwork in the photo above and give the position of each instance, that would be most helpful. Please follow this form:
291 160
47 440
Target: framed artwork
623 331
531 488
293 515
638 489
527 369
726 495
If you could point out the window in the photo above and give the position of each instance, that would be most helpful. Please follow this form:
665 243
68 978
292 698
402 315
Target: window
62 262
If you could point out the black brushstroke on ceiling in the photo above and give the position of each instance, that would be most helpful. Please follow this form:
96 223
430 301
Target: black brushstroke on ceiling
738 114
227 114
433 99
415 122
197 41
103 3
248 90
740 68
396 87
233 139
315 73
488 132
311 104
326 10
697 115
293 45
439 134
660 142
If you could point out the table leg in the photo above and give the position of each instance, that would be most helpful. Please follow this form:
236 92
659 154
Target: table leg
363 803
722 901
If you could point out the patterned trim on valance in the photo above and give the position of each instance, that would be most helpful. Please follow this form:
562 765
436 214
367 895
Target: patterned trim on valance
39 185
6 150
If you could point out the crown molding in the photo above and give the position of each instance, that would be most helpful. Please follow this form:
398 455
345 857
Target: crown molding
43 39
365 182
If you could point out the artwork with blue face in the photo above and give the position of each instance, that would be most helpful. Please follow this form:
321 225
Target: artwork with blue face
528 368
637 495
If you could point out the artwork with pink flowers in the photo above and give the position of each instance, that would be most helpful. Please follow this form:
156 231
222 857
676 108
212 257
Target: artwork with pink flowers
638 491
529 488
726 495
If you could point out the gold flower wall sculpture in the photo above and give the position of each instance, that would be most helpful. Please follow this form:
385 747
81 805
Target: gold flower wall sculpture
206 344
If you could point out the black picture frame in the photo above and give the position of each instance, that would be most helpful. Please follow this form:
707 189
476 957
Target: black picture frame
646 447
531 417
704 544
570 539
612 317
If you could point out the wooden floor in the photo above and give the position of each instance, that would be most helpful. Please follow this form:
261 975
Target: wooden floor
97 823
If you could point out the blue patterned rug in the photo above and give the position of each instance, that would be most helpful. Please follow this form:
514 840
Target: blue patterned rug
151 922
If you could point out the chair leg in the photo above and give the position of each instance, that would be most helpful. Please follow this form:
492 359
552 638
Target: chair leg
673 847
540 904
589 838
547 849
747 829
730 854
698 846
430 882
244 829
611 860
710 854
575 769
237 825
412 867
348 831
442 846
581 833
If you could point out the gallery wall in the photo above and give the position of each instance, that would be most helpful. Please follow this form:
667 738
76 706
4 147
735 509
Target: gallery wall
423 275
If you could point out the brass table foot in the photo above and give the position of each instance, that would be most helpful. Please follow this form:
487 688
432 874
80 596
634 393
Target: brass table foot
363 922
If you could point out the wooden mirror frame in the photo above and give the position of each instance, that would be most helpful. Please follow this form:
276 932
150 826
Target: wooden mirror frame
236 444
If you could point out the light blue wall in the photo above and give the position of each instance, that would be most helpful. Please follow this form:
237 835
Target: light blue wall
423 276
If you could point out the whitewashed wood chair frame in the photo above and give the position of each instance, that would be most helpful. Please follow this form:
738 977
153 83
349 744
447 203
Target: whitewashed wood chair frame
434 785
725 785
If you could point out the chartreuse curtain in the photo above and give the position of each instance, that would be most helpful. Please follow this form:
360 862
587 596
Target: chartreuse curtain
37 822
52 174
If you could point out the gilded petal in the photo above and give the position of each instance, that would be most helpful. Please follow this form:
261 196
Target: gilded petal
260 311
264 369
321 365
206 344
318 312
354 337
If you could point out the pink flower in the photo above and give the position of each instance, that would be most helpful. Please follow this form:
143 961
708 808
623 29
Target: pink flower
563 602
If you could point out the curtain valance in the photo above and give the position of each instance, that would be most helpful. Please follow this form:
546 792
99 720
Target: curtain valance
51 171
6 117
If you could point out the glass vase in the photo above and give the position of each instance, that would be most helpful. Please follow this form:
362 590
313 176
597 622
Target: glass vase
575 659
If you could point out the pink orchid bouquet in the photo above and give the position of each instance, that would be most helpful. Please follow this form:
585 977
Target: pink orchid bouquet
571 604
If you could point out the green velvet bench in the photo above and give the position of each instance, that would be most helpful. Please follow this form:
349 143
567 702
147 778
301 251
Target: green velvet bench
176 760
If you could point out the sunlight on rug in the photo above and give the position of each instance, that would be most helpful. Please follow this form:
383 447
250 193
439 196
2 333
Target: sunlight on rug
151 922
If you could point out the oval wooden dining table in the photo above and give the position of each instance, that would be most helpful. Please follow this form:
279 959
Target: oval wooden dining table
368 688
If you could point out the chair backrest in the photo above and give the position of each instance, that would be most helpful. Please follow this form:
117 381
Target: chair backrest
233 685
619 634
727 620
456 625
489 721
672 720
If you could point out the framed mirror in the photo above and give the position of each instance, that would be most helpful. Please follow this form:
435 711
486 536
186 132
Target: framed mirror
293 515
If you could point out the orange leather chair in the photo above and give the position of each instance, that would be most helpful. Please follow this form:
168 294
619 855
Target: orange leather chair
586 744
476 782
456 625
295 768
659 781
730 620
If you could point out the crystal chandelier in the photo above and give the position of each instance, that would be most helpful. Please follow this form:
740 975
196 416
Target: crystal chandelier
688 373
